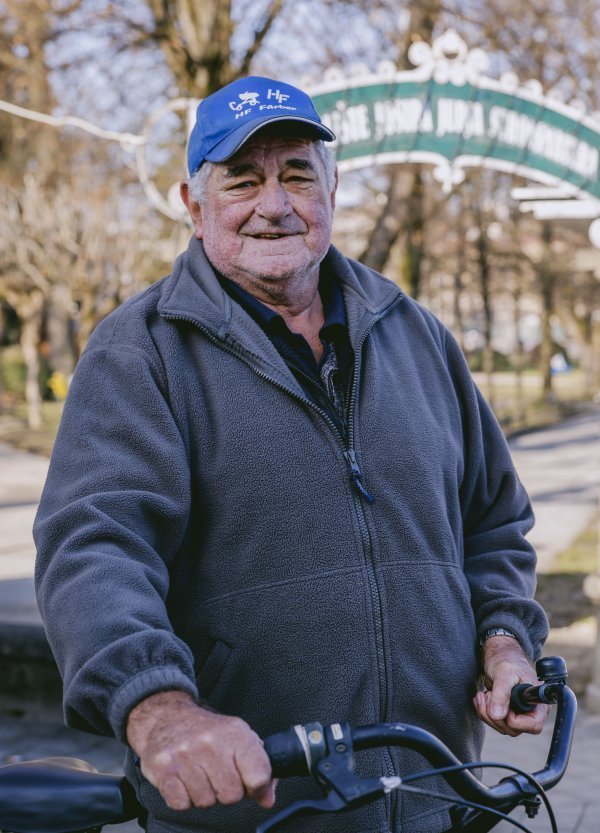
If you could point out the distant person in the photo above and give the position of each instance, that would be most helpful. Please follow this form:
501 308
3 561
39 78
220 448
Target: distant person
276 496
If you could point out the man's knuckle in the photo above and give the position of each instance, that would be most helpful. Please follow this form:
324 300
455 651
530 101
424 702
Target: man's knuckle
537 730
204 801
200 789
231 794
208 737
257 783
165 759
174 794
239 725
204 743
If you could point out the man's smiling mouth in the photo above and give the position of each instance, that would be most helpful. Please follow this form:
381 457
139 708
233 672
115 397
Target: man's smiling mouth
273 235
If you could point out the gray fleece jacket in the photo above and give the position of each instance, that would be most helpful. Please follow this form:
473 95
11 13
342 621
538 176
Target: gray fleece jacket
201 529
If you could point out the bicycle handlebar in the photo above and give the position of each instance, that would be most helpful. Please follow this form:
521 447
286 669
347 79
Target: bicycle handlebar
326 754
59 795
293 752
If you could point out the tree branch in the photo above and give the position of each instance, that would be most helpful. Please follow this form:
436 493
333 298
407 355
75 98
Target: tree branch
259 35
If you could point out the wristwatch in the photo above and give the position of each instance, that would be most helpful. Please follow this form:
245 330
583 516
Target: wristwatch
495 632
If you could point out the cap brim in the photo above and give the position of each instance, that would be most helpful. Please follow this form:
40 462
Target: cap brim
228 146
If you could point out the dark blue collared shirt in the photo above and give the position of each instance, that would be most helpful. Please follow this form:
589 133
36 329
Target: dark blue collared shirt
327 382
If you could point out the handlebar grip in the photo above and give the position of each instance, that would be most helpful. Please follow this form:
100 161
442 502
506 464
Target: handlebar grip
286 754
519 702
553 673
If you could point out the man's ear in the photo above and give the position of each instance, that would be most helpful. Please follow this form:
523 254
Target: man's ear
193 207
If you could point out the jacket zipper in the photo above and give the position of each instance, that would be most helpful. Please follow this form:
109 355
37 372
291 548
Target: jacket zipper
368 546
356 478
348 451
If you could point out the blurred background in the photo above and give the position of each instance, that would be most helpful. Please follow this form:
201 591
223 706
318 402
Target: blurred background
88 217
80 234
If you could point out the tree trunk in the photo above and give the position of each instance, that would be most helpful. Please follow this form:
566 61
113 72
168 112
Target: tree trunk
595 358
403 211
390 222
485 288
2 337
457 314
58 325
31 321
518 356
547 281
415 237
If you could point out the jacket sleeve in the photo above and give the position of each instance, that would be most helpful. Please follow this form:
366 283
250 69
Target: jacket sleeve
499 562
112 516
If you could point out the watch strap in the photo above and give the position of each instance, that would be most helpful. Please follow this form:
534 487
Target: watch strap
490 632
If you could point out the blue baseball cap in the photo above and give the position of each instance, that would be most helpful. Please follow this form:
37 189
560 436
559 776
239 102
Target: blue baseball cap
227 118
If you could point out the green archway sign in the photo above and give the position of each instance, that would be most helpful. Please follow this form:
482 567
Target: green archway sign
447 113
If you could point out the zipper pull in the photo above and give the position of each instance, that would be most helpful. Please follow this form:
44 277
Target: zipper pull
356 475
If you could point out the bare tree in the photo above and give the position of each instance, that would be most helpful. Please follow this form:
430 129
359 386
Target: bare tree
196 39
402 213
66 248
26 29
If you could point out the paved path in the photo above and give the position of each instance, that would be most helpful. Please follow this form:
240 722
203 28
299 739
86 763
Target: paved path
22 478
576 799
560 468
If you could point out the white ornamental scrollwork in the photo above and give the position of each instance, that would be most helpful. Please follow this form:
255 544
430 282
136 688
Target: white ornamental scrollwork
448 59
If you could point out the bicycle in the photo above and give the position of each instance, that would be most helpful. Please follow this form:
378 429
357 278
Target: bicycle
65 795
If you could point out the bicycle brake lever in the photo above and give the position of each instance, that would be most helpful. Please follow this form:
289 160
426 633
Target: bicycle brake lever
334 772
330 804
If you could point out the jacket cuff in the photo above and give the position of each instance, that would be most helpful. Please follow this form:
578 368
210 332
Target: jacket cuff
530 636
136 689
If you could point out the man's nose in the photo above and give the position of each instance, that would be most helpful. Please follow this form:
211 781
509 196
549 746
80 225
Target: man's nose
273 203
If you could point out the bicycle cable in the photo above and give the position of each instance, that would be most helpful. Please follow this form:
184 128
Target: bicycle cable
465 803
488 765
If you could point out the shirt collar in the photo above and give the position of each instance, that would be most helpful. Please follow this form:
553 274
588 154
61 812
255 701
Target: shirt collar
334 309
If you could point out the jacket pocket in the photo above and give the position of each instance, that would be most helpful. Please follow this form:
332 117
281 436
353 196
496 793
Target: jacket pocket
212 667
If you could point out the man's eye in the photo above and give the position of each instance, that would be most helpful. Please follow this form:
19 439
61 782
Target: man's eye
240 186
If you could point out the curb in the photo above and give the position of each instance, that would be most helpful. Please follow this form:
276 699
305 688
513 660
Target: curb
29 677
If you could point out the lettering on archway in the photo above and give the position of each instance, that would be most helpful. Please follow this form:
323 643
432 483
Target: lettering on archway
446 112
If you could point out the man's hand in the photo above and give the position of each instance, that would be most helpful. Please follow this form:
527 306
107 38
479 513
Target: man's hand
195 757
505 665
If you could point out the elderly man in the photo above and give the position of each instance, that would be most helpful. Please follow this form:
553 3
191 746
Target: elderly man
275 497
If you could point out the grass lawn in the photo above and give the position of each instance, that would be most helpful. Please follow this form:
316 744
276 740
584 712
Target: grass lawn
583 556
15 430
530 409
560 590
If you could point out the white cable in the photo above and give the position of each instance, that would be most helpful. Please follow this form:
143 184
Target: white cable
72 121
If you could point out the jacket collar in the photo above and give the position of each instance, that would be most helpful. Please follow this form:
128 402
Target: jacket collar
195 294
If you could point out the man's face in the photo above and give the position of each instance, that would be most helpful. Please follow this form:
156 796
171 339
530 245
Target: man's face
268 213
